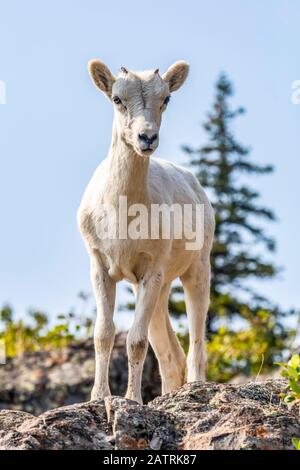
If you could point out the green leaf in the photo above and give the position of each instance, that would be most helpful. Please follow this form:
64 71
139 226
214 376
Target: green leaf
294 386
289 399
292 372
284 373
281 364
296 443
295 360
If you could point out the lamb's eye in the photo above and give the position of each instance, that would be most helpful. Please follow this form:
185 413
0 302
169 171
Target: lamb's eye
117 100
167 99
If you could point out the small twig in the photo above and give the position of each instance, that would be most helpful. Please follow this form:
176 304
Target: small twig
261 366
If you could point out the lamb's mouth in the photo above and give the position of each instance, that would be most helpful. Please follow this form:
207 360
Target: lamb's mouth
146 152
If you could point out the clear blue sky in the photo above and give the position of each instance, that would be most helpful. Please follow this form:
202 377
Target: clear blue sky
55 127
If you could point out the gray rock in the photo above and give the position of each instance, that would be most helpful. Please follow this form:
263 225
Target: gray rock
43 380
196 416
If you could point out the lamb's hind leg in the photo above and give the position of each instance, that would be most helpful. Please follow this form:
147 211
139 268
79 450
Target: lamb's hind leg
196 284
171 358
104 332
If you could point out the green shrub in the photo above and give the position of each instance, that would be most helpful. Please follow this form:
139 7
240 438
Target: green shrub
291 396
291 371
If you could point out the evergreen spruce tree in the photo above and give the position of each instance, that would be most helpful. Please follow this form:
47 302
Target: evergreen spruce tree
245 330
221 167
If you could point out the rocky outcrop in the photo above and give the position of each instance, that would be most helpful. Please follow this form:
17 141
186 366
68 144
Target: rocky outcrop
197 416
43 380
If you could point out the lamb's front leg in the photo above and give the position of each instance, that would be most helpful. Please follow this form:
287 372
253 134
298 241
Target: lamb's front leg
104 332
137 339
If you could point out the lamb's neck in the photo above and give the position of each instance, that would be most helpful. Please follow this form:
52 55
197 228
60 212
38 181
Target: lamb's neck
127 174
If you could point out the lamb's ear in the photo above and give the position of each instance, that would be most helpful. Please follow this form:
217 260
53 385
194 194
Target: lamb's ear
101 76
176 74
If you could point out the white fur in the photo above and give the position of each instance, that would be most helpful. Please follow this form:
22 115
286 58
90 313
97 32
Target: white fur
150 265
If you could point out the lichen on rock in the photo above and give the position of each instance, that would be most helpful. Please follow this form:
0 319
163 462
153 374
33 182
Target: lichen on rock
196 416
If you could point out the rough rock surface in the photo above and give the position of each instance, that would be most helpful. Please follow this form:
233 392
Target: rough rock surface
44 380
197 416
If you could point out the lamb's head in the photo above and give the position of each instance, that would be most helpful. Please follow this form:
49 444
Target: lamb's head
139 99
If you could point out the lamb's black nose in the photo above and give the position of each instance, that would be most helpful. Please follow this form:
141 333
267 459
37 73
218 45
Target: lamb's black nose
146 139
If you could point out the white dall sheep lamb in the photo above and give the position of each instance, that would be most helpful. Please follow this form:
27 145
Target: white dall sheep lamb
150 264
